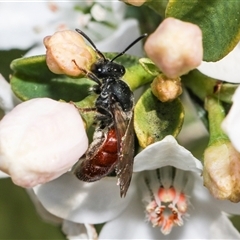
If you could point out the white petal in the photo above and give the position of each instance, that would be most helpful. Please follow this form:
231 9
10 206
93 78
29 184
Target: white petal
3 175
231 124
43 213
228 207
117 42
81 202
79 231
205 217
20 22
166 152
131 224
7 99
225 69
37 50
222 228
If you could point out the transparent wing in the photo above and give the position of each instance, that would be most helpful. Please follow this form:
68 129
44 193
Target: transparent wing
125 135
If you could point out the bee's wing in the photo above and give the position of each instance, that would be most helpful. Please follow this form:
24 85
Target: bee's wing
125 134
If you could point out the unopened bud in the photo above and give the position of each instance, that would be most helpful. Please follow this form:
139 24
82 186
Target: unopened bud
221 174
166 89
67 53
175 47
221 171
40 139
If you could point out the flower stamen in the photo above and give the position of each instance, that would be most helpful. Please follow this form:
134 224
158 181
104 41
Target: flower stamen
167 207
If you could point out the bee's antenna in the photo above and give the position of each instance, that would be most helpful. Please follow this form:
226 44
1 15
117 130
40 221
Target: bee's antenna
91 42
130 45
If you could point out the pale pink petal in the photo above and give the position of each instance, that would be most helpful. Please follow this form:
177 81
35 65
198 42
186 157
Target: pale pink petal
41 139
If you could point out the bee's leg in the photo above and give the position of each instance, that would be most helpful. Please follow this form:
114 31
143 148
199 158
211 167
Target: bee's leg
88 74
91 109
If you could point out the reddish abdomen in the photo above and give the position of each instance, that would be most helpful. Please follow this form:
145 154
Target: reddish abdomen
103 162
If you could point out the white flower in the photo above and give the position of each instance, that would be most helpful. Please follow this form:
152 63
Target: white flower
231 124
165 172
41 139
225 69
43 18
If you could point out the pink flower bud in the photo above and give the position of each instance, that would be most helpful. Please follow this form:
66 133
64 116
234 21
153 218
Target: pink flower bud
67 53
41 139
175 47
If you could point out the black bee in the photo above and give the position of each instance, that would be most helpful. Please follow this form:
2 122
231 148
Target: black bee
112 148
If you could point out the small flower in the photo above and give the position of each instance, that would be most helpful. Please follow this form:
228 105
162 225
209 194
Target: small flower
40 139
166 188
61 54
175 47
176 203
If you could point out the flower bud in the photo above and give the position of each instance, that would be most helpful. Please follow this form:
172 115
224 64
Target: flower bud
166 89
175 47
40 139
67 53
221 171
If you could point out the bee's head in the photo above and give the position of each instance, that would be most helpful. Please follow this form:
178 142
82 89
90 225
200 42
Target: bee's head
106 68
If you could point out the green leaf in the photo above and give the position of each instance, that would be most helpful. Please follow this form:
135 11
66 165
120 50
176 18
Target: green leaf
32 79
153 119
219 21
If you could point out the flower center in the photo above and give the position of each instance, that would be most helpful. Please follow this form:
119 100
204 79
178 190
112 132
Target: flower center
167 198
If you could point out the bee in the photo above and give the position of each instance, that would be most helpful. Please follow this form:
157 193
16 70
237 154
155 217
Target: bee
112 148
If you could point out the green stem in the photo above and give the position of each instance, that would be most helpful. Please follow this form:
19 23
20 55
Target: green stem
136 76
216 114
201 85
